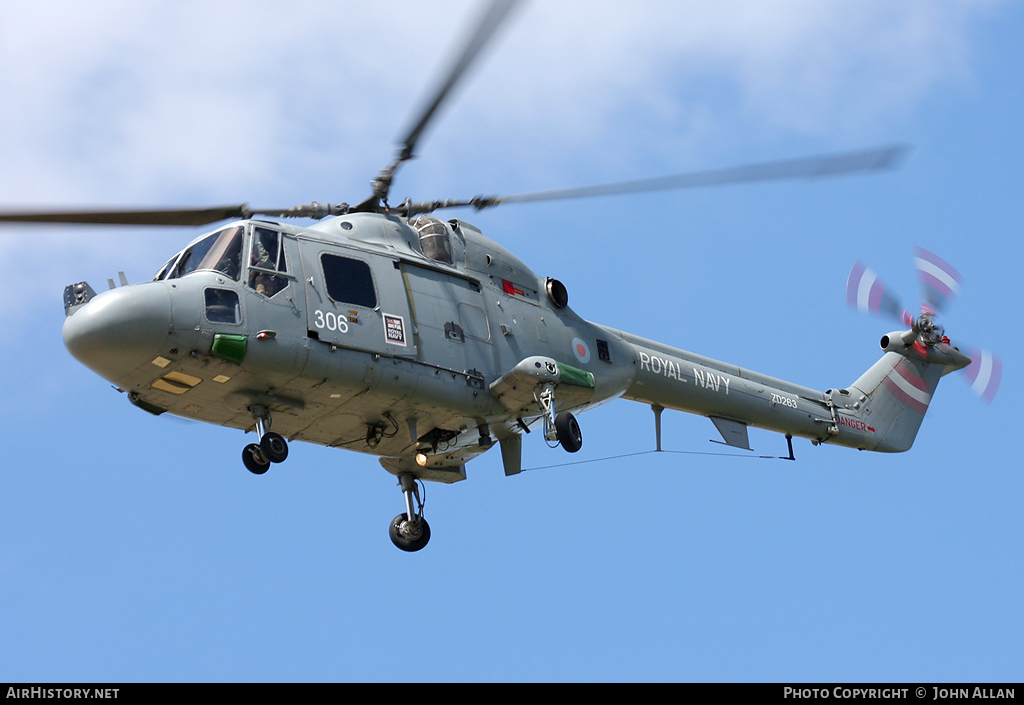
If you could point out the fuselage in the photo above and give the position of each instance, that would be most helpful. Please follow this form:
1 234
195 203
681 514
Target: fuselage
350 328
374 334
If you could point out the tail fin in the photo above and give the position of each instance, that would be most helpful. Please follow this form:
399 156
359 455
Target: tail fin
897 390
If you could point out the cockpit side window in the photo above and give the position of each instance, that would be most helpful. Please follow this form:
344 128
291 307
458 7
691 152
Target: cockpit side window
222 306
266 258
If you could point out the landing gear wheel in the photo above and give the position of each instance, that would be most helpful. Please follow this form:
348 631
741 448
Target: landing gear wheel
568 432
274 446
254 460
409 535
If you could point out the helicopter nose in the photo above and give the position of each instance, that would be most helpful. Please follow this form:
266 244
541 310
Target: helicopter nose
119 330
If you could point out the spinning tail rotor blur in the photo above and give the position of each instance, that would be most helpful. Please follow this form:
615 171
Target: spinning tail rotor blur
940 284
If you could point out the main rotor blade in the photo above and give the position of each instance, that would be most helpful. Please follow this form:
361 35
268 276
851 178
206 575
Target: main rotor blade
868 160
489 23
807 168
175 216
181 216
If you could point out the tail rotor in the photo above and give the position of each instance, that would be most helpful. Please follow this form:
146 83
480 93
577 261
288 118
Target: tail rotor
940 285
869 294
984 374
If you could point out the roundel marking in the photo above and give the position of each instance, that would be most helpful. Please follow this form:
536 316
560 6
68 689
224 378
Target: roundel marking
581 350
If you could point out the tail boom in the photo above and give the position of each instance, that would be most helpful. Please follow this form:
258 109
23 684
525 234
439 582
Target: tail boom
882 411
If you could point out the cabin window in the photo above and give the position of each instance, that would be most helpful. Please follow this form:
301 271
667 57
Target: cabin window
266 258
220 251
348 281
222 306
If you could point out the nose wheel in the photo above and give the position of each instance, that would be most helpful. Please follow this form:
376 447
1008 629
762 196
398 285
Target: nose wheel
410 531
254 460
409 535
272 447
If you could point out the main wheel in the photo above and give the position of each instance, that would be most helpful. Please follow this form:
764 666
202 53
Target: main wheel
409 536
254 460
274 446
568 432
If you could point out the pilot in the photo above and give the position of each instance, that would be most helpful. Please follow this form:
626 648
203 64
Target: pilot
264 249
267 284
231 261
264 256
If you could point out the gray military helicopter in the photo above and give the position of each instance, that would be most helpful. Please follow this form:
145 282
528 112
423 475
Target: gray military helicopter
383 329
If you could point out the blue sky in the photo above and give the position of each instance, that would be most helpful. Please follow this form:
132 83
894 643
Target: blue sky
139 548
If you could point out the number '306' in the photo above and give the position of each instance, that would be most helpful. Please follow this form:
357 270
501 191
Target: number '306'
330 321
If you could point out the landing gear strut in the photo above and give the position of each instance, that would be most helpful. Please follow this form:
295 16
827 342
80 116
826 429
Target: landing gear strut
410 531
561 427
272 447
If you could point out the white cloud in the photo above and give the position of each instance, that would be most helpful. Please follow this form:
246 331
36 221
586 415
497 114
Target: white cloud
117 102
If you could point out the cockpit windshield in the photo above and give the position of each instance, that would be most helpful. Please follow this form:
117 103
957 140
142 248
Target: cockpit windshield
162 272
220 251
